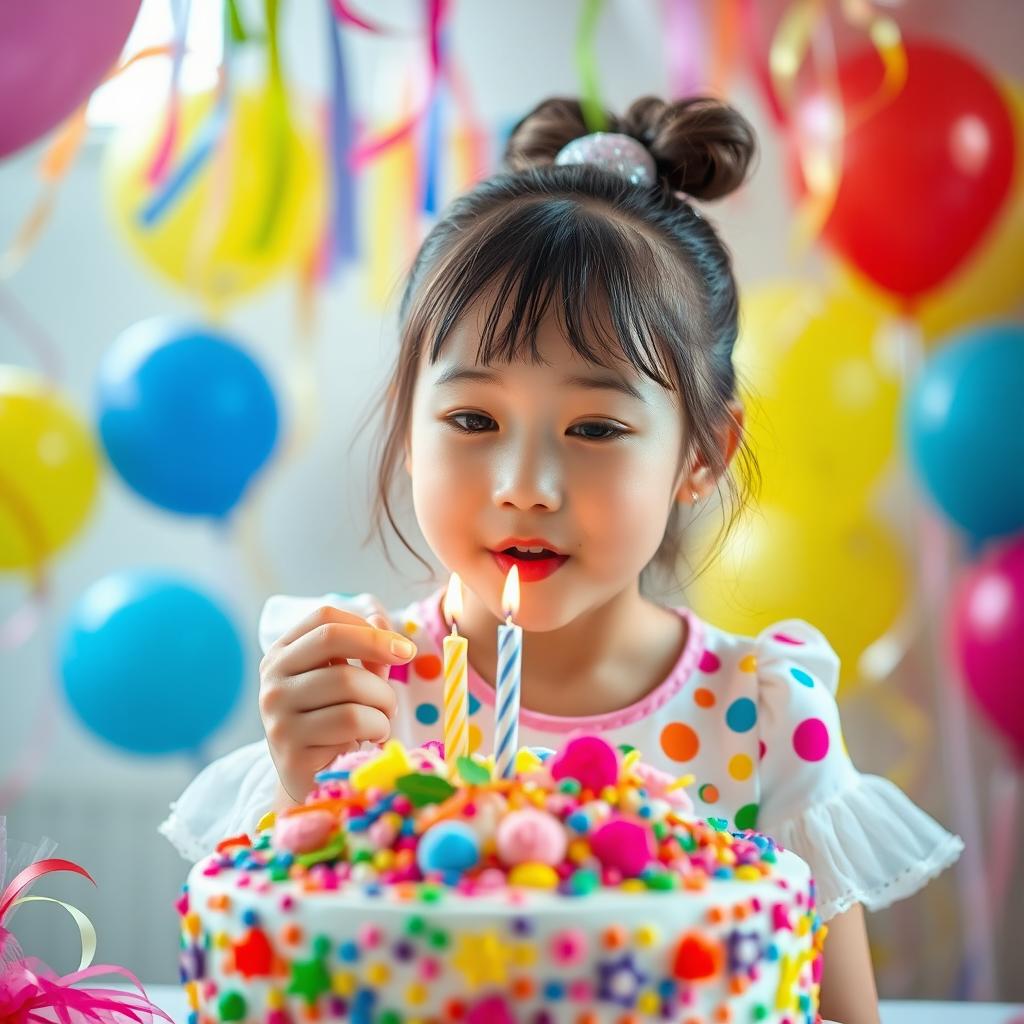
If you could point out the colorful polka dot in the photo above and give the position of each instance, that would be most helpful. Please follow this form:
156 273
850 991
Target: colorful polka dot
427 714
427 666
710 662
748 663
810 739
399 673
761 750
746 816
476 737
474 705
740 766
742 715
802 677
784 638
704 698
708 793
679 741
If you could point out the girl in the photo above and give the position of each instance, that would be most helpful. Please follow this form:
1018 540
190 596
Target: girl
564 398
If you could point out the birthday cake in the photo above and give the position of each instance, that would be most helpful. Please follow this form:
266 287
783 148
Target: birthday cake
579 888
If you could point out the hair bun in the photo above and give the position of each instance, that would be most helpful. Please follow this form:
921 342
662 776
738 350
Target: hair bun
701 146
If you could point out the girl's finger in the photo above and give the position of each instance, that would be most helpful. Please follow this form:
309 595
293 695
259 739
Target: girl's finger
338 642
340 684
380 621
340 724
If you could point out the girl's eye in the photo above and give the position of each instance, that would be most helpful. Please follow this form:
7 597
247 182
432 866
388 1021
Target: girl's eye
473 422
604 431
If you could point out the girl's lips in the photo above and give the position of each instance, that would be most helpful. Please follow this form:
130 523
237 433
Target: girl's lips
531 570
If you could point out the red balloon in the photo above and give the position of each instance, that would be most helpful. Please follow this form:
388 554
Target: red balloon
987 628
925 175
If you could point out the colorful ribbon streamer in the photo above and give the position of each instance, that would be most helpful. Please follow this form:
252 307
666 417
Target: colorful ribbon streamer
343 246
366 151
180 10
587 66
684 43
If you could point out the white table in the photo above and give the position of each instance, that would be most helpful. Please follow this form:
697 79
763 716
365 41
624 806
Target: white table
172 999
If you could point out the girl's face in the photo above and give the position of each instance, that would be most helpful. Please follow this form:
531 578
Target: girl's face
574 457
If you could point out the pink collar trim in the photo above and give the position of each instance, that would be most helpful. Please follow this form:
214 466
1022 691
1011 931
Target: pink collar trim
430 616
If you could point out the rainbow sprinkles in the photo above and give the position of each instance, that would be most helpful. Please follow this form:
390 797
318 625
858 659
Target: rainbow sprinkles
576 888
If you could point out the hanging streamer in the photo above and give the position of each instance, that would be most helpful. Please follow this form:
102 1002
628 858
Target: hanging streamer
726 44
180 11
586 65
366 151
432 142
684 44
56 162
343 246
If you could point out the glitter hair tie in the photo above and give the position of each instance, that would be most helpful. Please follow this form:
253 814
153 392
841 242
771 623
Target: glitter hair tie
620 154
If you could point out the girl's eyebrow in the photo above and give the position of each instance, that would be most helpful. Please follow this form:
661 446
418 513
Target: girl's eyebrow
590 383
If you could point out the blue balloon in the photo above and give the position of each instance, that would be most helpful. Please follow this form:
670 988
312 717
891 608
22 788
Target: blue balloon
150 664
964 430
186 417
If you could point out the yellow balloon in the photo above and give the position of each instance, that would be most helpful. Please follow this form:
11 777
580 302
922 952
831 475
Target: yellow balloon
821 389
852 582
49 472
990 283
209 239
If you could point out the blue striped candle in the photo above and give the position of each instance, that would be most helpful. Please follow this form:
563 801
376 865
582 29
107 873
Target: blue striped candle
510 657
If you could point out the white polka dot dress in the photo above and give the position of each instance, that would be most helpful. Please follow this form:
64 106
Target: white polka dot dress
753 719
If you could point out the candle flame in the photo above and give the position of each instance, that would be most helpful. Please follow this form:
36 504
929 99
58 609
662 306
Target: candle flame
510 595
453 600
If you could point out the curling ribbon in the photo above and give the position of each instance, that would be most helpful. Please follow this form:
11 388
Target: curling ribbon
32 993
586 65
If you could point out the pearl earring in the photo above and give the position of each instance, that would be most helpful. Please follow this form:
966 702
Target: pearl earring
694 496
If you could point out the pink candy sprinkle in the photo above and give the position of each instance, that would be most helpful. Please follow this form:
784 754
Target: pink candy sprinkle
581 991
369 936
429 968
569 947
287 902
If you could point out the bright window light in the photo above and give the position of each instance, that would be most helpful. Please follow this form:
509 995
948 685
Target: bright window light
144 87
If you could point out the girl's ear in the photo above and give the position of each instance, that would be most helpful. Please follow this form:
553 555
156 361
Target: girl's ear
697 484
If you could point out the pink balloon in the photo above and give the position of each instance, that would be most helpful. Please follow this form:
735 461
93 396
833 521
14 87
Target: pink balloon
53 53
987 627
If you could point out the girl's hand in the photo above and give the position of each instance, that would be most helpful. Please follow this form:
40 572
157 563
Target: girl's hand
314 704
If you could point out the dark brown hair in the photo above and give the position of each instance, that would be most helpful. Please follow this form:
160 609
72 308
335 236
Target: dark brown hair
597 252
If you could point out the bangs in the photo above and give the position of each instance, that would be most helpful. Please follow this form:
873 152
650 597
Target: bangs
617 293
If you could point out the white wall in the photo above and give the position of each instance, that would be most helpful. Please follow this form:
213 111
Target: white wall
82 288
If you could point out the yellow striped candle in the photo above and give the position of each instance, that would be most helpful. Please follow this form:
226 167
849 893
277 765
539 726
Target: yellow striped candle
456 697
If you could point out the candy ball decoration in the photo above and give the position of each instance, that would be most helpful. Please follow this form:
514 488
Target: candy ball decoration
531 835
964 433
302 833
448 847
150 664
987 626
49 470
52 55
592 761
623 845
186 416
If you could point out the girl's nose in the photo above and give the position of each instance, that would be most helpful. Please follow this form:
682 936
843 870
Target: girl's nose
528 476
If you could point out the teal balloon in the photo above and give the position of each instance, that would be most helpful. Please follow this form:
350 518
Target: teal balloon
965 430
150 664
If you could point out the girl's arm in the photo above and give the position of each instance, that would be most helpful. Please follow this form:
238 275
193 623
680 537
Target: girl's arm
848 993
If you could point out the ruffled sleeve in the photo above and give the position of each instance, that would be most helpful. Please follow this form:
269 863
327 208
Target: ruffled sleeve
865 840
226 798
